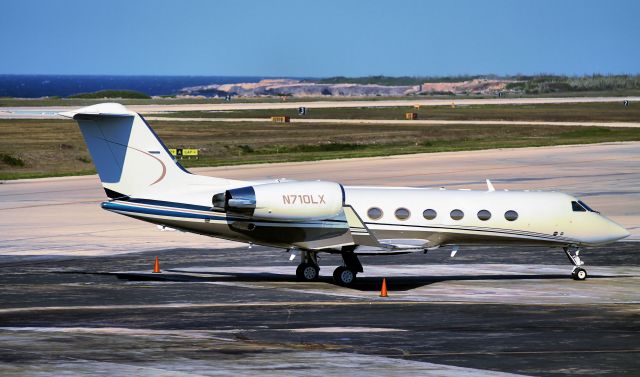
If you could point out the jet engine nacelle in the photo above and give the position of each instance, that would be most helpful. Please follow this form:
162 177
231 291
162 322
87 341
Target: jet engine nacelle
286 201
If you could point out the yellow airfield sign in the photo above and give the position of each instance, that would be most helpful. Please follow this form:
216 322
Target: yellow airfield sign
182 152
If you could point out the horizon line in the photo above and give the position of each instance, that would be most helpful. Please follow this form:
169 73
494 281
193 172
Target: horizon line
331 76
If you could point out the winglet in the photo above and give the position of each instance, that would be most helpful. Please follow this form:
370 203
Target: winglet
490 186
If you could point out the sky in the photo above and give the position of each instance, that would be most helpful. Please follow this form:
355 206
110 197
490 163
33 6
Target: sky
319 38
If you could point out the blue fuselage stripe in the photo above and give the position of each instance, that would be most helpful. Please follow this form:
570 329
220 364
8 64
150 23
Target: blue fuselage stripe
159 212
170 212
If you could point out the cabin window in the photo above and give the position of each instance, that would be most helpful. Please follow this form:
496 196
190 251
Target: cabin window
402 213
429 214
457 214
484 215
576 207
374 213
511 215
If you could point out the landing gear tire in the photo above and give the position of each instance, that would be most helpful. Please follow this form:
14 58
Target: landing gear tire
344 276
579 273
307 272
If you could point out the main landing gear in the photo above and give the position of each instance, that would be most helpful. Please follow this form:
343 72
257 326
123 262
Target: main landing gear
346 274
308 269
578 272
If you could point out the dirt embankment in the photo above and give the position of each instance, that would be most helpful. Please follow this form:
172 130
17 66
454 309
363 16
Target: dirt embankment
476 86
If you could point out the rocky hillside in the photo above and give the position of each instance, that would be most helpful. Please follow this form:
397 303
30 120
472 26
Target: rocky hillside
297 88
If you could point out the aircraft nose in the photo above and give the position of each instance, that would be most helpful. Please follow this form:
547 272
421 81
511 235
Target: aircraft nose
622 233
614 232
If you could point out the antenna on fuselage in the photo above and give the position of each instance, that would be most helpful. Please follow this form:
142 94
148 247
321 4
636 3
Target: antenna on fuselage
454 251
490 186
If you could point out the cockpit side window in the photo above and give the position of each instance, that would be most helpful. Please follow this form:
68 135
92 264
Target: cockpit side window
586 206
577 207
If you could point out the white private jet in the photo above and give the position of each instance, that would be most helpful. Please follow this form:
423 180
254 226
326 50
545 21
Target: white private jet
144 181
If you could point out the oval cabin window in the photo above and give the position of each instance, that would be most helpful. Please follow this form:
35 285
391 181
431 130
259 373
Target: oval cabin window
511 215
429 214
457 214
484 215
402 213
374 213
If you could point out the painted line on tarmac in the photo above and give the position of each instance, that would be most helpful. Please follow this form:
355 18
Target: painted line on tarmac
369 301
52 204
437 354
209 305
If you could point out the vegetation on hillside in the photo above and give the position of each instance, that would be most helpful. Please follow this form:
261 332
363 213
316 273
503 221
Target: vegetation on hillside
527 84
131 94
594 83
398 80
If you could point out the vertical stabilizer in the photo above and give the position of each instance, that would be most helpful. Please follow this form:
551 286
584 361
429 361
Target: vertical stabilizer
128 155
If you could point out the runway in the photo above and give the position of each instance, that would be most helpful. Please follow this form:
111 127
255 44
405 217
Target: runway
426 122
78 295
49 111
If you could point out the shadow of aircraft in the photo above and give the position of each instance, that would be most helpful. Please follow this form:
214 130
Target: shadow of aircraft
394 283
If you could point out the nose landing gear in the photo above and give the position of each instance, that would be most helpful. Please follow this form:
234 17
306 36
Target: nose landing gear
578 272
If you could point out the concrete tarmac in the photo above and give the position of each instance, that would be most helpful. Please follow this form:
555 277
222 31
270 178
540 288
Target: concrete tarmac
78 297
239 311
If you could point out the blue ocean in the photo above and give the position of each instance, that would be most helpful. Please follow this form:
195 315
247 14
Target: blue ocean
34 86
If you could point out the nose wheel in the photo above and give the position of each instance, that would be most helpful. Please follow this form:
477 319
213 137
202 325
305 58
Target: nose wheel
578 272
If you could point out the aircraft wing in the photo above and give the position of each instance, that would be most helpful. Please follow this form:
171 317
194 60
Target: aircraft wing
363 236
359 230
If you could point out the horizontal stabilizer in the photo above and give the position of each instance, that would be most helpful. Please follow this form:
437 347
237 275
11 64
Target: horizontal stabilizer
102 110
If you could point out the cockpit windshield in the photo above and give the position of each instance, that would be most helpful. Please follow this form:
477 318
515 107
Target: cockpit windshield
580 206
586 206
576 207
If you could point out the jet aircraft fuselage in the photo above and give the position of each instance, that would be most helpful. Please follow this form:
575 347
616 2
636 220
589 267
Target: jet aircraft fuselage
143 181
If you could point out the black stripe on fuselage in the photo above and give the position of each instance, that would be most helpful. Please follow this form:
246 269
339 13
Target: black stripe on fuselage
480 229
115 195
163 203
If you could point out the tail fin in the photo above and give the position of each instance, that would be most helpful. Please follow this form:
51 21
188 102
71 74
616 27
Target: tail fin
128 155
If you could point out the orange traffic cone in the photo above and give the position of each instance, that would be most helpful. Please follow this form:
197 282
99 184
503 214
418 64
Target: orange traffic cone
383 291
156 266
